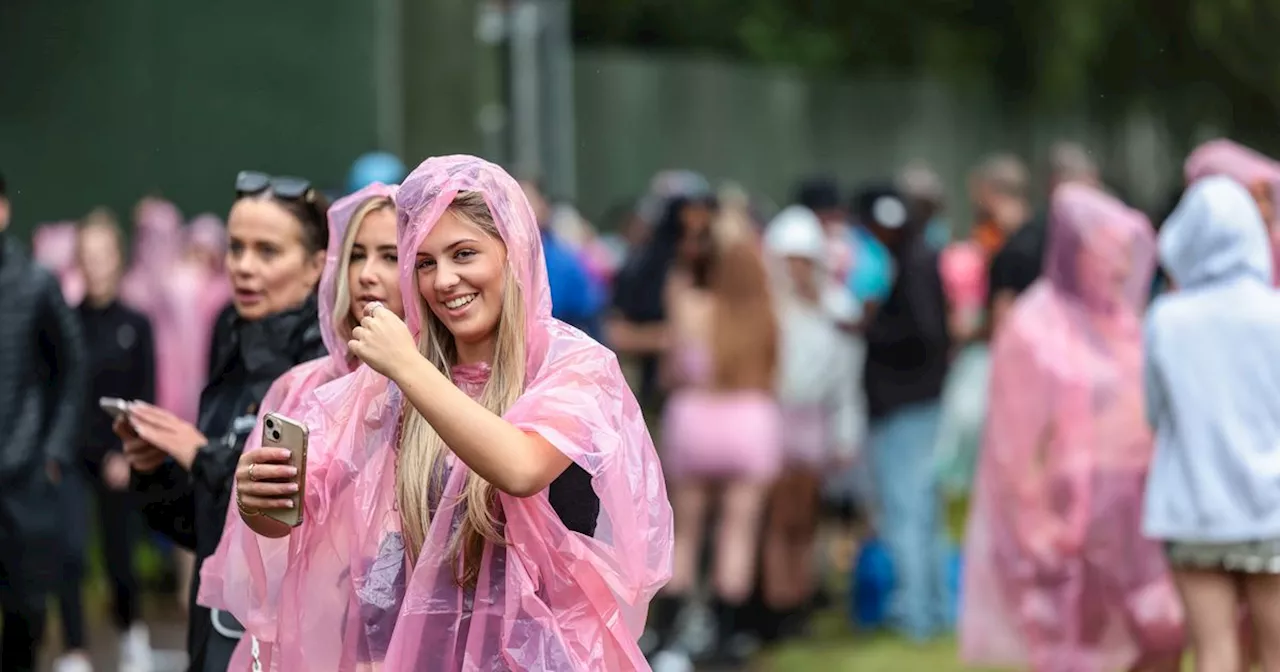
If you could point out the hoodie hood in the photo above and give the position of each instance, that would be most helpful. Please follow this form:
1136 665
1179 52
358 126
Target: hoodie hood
1215 234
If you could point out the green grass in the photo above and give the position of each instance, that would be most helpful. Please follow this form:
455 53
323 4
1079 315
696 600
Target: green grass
834 648
870 654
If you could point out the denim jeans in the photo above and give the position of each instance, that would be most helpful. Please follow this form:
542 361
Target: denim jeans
910 517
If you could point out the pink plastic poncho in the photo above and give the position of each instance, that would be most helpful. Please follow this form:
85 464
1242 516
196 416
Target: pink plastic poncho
1057 573
549 598
168 299
207 238
195 294
54 247
157 244
1250 169
244 576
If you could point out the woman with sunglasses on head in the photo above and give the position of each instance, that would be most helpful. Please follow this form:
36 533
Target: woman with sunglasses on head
183 473
483 494
361 268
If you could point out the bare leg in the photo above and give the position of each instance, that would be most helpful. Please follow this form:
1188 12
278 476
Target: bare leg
792 537
1262 593
1210 600
689 506
739 530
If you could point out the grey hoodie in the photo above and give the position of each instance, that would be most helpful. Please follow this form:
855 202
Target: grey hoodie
1213 374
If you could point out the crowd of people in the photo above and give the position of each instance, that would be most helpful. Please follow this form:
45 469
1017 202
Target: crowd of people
486 485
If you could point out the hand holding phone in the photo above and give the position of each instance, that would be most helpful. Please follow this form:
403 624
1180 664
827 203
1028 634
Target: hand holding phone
116 408
270 480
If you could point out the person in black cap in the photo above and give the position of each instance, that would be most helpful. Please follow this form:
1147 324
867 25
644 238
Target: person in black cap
43 378
907 359
822 196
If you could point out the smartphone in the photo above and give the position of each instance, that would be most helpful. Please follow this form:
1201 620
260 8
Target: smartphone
281 432
114 407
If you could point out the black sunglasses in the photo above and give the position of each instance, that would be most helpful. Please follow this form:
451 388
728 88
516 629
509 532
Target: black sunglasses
250 183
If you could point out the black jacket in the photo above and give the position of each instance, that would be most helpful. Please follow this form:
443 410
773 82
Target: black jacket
42 380
42 369
122 364
908 347
191 507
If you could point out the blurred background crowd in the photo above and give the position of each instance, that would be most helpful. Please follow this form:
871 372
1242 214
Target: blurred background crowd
893 171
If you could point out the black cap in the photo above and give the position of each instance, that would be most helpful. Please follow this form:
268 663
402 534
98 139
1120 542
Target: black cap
818 193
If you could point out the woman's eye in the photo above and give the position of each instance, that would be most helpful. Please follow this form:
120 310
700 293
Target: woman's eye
463 254
357 256
426 263
391 258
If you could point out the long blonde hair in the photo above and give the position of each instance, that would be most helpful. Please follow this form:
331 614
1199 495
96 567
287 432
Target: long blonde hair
420 470
343 322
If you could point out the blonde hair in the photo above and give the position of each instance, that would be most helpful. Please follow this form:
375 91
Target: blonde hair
343 322
420 469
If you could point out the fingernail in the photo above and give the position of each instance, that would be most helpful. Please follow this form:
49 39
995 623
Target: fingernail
293 487
289 504
284 454
293 471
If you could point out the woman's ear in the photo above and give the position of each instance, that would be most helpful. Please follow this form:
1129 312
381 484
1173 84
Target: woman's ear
315 266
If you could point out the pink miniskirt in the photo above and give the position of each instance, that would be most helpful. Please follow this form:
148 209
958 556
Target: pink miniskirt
722 435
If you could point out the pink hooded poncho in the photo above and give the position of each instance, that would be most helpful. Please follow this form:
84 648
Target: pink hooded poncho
243 576
1057 573
547 599
1251 169
157 246
54 247
153 288
208 235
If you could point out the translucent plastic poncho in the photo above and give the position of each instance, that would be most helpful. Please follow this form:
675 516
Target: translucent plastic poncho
546 599
169 300
1251 169
244 576
208 235
54 247
157 245
1057 573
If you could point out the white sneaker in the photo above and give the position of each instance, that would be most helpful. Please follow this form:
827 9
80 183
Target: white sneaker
135 650
672 660
72 662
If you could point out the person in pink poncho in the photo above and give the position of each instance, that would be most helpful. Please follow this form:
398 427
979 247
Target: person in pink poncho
360 268
54 247
1255 172
1058 575
483 494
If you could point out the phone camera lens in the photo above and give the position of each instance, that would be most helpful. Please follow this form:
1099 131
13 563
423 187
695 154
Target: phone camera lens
271 424
275 436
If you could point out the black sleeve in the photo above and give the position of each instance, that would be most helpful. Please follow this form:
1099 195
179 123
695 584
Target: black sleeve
928 305
144 364
60 332
213 472
167 500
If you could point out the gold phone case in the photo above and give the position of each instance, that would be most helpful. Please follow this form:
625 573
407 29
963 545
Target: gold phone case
281 432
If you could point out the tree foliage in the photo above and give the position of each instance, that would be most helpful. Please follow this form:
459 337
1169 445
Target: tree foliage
1192 60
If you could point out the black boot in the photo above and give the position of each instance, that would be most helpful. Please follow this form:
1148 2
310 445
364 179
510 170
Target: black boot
664 611
734 646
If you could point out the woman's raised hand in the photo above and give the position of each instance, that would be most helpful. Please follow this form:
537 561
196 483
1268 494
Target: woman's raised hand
265 481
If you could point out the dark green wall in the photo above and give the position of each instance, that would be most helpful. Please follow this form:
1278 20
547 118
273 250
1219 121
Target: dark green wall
102 101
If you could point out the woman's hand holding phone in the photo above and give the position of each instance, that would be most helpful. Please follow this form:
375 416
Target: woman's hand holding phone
265 481
142 456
